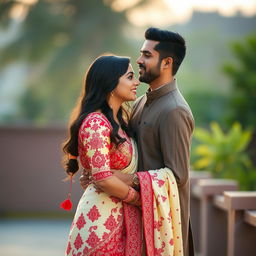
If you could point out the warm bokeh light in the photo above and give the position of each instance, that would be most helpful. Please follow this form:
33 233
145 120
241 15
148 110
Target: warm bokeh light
168 12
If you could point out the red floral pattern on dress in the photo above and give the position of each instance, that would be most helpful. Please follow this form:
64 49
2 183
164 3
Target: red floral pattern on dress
68 248
96 152
80 222
159 251
115 199
133 223
99 160
95 127
96 142
158 224
103 230
78 242
110 223
93 214
101 175
93 239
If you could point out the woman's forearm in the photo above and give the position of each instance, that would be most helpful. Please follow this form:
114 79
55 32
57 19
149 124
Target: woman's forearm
124 177
117 188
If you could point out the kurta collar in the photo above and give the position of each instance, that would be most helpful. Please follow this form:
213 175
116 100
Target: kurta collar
152 95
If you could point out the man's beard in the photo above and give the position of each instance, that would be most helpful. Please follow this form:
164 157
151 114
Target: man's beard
149 76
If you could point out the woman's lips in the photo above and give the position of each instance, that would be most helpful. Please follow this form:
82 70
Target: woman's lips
134 91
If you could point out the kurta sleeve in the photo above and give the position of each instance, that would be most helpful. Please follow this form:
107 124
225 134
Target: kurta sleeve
95 136
176 130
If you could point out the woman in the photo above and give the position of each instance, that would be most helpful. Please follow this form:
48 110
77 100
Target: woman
104 222
108 219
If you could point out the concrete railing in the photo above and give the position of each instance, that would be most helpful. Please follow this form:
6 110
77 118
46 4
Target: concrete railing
226 218
241 229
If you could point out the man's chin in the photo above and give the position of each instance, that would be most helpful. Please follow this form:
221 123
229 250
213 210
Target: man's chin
142 79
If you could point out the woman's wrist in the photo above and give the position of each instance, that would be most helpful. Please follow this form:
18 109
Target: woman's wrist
132 197
135 182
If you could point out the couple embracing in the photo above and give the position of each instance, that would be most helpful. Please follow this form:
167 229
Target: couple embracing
136 163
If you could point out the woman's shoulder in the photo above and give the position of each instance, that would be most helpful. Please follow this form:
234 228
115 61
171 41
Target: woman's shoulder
96 119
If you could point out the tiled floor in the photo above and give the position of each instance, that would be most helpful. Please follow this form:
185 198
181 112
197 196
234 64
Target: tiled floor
33 237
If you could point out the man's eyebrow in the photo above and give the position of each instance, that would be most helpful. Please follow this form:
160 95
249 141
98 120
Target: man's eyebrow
145 52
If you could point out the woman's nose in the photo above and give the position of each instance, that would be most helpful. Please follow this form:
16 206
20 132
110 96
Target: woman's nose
137 82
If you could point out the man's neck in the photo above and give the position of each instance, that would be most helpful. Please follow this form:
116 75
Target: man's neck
157 83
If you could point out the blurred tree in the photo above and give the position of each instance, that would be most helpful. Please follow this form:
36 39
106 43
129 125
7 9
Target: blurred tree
243 76
58 39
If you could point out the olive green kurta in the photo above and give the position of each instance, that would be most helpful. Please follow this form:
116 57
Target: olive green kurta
163 124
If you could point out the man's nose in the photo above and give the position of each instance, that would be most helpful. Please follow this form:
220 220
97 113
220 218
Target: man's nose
139 60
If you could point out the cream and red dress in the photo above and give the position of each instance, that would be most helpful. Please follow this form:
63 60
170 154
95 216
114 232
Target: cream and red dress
104 225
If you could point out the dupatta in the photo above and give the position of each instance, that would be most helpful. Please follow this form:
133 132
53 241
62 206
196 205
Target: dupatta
161 213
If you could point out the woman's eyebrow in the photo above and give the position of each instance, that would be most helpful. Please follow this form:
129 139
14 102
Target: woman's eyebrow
131 72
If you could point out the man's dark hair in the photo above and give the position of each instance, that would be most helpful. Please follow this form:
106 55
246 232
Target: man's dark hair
170 44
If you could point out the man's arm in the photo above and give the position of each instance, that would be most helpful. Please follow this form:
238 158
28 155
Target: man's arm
176 128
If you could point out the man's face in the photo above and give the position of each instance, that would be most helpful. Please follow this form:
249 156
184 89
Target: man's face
149 66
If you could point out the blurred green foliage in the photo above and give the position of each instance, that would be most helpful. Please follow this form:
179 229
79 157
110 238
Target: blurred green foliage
243 77
224 154
242 73
58 40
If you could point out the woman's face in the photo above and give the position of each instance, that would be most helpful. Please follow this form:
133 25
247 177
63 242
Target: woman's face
127 86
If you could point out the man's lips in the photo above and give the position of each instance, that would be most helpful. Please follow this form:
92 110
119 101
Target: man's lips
141 69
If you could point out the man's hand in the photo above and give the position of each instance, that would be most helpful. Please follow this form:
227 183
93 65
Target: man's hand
85 179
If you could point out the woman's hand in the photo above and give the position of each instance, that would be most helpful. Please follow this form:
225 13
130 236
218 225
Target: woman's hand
85 179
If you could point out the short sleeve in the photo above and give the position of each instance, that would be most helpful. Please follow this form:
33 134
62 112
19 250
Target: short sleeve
95 136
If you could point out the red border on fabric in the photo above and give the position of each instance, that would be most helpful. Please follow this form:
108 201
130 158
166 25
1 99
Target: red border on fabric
132 218
147 210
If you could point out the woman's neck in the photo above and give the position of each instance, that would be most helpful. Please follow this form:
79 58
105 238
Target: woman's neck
115 106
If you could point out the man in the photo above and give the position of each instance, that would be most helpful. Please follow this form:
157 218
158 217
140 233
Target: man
162 120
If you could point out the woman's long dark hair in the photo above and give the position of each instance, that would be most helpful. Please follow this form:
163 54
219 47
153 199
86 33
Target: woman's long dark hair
101 79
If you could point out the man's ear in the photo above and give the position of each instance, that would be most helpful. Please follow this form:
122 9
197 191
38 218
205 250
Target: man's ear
168 62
